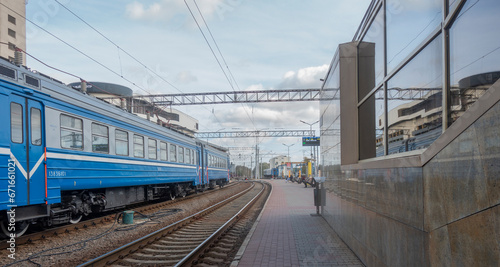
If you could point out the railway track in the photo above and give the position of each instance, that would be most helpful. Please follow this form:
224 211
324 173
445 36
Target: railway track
190 240
107 218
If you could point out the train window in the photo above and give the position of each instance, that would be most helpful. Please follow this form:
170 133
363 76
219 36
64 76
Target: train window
16 123
192 157
121 142
71 132
181 155
100 138
138 146
152 149
173 153
36 127
187 156
163 151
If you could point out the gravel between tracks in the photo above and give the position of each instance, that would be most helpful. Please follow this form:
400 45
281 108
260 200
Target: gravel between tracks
93 248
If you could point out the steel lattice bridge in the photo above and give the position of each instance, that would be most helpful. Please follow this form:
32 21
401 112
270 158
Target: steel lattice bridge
235 134
263 96
229 97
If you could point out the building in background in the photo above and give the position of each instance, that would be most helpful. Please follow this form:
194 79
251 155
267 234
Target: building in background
277 161
170 118
12 28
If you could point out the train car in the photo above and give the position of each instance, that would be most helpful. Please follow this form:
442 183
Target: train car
65 154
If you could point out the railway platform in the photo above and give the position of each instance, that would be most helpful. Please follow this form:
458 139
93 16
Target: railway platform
286 233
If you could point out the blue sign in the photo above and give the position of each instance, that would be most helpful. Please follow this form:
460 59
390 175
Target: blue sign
310 141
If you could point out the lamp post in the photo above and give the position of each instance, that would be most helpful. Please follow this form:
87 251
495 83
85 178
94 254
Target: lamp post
310 128
288 147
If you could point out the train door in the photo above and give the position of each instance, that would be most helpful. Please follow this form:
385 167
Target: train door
27 150
202 163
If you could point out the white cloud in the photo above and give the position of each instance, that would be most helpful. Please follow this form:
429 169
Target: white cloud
304 78
168 9
185 77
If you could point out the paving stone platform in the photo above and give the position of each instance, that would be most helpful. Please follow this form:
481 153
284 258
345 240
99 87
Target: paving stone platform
286 233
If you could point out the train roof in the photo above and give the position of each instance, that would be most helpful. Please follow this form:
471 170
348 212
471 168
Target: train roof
59 91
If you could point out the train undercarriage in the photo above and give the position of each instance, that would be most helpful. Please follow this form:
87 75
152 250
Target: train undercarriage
77 204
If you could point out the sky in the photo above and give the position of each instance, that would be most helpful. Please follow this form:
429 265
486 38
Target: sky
265 45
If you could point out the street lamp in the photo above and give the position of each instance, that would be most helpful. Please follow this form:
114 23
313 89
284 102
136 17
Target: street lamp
288 147
310 124
310 128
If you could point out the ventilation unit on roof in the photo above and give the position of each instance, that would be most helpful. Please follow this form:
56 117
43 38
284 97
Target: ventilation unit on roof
8 72
32 81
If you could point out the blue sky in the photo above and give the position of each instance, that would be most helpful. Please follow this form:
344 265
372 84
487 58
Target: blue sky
266 44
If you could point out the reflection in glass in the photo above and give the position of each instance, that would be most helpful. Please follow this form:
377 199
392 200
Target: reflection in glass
71 139
121 143
408 24
152 149
100 138
16 123
163 151
375 34
173 153
474 54
180 156
330 126
71 132
36 127
414 97
371 126
138 146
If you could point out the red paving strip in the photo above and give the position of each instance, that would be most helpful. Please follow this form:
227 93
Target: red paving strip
287 235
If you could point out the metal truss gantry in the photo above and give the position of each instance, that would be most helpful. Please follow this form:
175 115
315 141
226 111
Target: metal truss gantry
229 97
235 134
263 96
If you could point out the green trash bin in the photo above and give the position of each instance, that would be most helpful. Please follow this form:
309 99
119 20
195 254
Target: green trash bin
128 217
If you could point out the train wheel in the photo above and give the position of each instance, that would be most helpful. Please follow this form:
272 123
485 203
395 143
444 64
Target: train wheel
75 218
172 195
18 229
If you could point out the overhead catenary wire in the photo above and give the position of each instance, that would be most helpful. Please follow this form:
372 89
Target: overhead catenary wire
130 55
119 48
213 53
76 49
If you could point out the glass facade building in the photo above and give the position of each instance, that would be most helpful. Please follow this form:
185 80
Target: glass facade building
428 55
410 140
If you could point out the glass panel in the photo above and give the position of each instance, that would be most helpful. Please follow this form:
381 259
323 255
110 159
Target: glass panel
138 146
330 125
192 157
99 129
187 155
151 149
16 123
121 135
100 144
121 144
36 127
163 151
474 54
408 24
71 139
173 153
181 155
100 138
70 122
375 34
71 132
415 101
371 126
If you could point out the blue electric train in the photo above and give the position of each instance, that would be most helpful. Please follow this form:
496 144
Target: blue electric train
65 154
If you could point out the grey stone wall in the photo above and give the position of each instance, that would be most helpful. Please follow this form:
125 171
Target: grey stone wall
445 213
